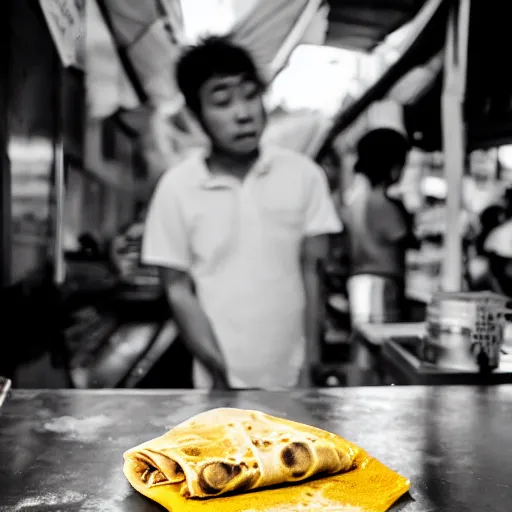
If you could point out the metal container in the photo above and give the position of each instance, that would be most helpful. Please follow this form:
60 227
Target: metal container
465 330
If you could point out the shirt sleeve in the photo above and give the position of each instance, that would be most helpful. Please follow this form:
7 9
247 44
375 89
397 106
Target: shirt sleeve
321 217
165 240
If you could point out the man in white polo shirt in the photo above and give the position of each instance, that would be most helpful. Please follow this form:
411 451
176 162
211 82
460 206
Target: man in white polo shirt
238 231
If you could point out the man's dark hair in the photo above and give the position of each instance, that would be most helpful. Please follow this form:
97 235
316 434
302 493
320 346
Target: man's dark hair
213 56
379 152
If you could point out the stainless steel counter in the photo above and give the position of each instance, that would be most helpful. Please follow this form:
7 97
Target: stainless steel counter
62 450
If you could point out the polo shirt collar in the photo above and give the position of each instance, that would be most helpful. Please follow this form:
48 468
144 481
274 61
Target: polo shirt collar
261 167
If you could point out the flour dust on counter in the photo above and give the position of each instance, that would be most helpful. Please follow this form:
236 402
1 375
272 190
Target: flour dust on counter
79 429
48 501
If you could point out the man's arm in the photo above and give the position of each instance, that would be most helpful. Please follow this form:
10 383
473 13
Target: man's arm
314 250
166 245
193 324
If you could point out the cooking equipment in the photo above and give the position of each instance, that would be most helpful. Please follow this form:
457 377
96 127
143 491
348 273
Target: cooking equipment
465 330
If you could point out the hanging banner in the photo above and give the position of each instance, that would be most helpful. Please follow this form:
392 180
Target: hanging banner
65 22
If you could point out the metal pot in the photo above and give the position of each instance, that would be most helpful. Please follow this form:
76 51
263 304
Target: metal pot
465 330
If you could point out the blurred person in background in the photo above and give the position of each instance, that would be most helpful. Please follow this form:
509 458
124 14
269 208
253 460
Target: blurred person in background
491 269
245 226
379 230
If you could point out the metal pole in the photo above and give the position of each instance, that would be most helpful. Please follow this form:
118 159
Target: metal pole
59 170
5 167
60 191
454 143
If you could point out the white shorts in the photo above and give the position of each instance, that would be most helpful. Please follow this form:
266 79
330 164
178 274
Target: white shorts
374 299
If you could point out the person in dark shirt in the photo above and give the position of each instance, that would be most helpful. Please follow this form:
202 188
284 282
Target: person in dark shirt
493 246
379 231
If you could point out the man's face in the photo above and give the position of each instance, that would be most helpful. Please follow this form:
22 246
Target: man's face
232 113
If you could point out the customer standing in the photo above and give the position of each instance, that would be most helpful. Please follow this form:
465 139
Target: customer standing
247 226
379 228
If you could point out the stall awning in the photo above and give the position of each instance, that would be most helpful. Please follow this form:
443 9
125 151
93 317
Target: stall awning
488 95
149 35
488 98
362 24
425 43
274 28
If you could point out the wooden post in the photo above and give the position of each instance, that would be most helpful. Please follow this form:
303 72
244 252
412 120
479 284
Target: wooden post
454 143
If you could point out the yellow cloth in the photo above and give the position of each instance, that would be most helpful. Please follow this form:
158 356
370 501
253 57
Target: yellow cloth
240 452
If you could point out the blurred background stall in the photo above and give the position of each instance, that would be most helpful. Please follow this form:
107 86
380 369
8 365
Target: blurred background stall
92 118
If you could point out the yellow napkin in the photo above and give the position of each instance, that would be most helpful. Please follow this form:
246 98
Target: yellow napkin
358 483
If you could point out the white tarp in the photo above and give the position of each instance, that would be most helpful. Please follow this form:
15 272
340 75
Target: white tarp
151 35
107 86
274 28
148 33
301 131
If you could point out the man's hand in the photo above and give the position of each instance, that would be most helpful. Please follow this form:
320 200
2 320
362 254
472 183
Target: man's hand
194 325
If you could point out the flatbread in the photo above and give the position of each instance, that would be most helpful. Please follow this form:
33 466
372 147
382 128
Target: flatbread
217 459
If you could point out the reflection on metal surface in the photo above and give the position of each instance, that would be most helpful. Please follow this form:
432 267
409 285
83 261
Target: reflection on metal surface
5 386
31 193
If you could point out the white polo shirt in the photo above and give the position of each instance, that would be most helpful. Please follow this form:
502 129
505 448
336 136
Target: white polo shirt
241 243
